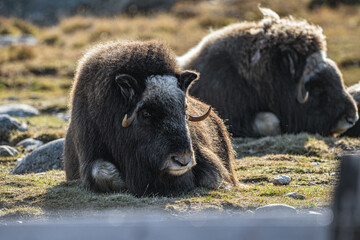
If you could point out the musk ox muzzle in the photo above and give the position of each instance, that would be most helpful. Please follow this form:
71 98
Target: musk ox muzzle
346 122
178 164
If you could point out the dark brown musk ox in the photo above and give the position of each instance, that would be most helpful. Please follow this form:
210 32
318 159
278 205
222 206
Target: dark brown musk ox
271 77
354 131
134 127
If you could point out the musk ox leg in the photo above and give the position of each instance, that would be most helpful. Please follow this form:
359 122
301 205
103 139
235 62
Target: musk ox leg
266 124
209 171
106 176
71 161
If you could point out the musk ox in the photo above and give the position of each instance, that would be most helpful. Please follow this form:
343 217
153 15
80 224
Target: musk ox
355 93
271 77
134 127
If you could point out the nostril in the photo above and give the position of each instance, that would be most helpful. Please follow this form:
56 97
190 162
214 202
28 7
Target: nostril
182 160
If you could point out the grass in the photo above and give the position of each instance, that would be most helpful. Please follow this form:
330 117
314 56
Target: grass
42 76
39 195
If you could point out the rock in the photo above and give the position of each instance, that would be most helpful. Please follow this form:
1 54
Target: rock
12 98
295 195
314 163
6 151
281 180
18 110
8 123
314 213
276 210
29 144
44 158
249 212
17 40
63 116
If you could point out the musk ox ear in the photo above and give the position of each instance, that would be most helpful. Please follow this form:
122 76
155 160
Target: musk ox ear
127 84
186 78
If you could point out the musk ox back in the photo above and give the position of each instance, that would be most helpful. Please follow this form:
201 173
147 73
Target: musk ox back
134 127
271 77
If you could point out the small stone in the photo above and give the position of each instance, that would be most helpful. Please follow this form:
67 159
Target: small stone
314 163
276 210
12 98
63 116
314 213
7 39
332 174
44 158
29 144
281 180
6 151
295 195
18 110
8 123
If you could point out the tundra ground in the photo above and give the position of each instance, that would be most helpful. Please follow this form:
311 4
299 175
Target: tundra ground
41 75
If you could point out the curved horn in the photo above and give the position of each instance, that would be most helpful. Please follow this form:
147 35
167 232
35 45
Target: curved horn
302 99
200 118
314 63
127 122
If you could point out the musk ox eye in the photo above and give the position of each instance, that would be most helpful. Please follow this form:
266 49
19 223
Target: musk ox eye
146 114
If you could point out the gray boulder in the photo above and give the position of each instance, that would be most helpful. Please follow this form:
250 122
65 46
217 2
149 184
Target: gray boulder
6 151
276 210
44 158
18 110
17 40
29 144
8 123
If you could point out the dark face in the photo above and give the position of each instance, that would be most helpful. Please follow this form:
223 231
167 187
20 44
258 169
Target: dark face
157 132
322 103
329 103
161 127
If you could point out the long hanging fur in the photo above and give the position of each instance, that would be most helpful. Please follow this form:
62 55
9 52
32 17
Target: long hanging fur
96 134
250 68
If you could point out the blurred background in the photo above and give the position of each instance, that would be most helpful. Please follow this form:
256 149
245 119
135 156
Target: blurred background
42 40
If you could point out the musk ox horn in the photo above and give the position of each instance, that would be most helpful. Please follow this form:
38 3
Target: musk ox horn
314 63
200 118
127 122
301 87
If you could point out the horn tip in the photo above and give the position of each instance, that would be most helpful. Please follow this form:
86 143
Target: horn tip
124 122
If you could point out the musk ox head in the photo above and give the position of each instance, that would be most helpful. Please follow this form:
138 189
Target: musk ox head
160 115
323 105
320 93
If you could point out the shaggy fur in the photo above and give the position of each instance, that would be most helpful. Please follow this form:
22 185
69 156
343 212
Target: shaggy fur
355 93
96 143
254 67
